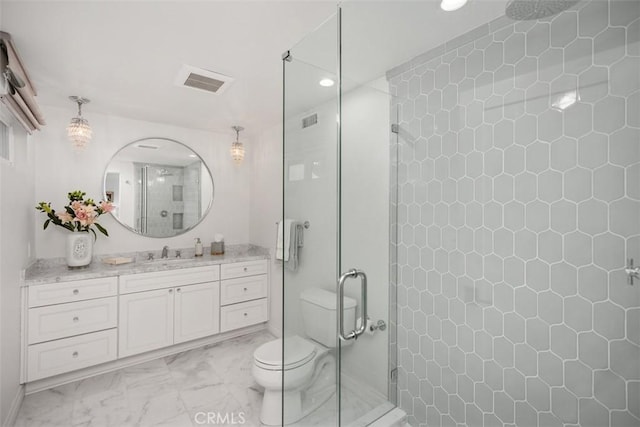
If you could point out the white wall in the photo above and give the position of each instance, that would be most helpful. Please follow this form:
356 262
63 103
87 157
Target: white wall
311 198
16 243
60 169
266 210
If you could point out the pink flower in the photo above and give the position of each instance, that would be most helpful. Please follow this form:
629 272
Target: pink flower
79 215
65 217
85 214
106 207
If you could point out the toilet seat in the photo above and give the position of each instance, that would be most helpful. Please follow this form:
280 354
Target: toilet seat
298 352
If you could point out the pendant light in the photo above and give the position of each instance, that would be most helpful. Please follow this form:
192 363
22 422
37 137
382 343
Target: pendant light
79 130
237 149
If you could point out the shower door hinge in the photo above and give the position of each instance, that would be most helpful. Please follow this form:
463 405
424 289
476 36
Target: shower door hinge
395 128
394 374
632 272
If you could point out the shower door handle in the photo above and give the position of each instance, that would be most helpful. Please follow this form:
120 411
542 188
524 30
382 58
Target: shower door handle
354 334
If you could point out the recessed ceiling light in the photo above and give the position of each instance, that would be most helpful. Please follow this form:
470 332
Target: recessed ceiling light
326 82
451 5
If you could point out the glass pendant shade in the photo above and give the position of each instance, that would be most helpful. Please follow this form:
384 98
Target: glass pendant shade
237 149
237 152
79 131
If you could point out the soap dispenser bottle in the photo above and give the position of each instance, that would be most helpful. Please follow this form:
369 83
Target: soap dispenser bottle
198 247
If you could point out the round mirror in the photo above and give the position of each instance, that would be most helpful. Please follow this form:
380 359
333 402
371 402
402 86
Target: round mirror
159 187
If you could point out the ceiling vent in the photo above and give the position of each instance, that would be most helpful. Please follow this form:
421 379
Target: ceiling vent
309 121
200 79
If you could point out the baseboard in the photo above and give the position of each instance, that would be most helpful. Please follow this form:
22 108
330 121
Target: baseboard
10 420
277 332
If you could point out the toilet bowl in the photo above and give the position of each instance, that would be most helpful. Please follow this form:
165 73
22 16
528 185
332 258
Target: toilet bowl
287 381
304 377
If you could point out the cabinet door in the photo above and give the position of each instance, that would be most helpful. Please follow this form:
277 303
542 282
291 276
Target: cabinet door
197 309
146 321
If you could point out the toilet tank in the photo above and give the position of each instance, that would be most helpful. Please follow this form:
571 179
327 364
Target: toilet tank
319 315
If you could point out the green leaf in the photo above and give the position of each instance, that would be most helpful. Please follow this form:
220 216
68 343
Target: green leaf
101 229
46 224
95 236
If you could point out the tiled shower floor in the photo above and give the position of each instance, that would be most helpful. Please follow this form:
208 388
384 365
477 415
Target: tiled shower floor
171 392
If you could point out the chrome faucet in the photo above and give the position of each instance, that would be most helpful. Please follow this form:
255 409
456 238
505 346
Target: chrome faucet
165 252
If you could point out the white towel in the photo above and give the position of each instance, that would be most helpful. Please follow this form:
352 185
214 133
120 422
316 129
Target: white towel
284 240
295 234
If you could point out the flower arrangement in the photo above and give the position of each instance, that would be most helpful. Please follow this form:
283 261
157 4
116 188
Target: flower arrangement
78 215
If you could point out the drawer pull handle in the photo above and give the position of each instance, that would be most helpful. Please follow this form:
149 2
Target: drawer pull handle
178 290
76 318
245 269
245 289
170 291
245 314
75 354
76 292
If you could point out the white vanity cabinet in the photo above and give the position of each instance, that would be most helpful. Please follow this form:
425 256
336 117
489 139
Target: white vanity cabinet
70 325
243 294
159 309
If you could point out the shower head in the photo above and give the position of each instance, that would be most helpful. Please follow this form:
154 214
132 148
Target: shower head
525 10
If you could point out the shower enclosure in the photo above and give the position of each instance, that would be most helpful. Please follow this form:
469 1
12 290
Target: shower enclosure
483 173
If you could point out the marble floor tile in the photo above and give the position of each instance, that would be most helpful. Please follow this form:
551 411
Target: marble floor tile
167 409
176 391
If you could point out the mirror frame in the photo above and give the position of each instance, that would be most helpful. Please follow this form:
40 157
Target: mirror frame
204 164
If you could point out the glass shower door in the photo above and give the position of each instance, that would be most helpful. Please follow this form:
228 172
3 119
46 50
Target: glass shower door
310 181
336 177
366 143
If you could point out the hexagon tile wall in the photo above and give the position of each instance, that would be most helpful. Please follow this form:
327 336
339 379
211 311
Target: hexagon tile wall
515 216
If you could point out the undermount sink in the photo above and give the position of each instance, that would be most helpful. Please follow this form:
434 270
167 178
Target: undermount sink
167 261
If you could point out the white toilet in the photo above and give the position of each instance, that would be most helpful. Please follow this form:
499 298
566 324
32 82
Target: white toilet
307 373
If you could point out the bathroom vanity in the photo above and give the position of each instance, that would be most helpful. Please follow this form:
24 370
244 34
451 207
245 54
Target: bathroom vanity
78 323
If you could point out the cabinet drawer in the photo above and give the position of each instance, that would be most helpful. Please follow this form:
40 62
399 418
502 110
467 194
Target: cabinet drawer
78 290
65 320
56 357
244 314
244 289
168 278
242 269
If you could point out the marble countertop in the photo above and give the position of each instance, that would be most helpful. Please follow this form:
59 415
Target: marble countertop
55 269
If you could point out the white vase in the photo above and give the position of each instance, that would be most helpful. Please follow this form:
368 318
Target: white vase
79 249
